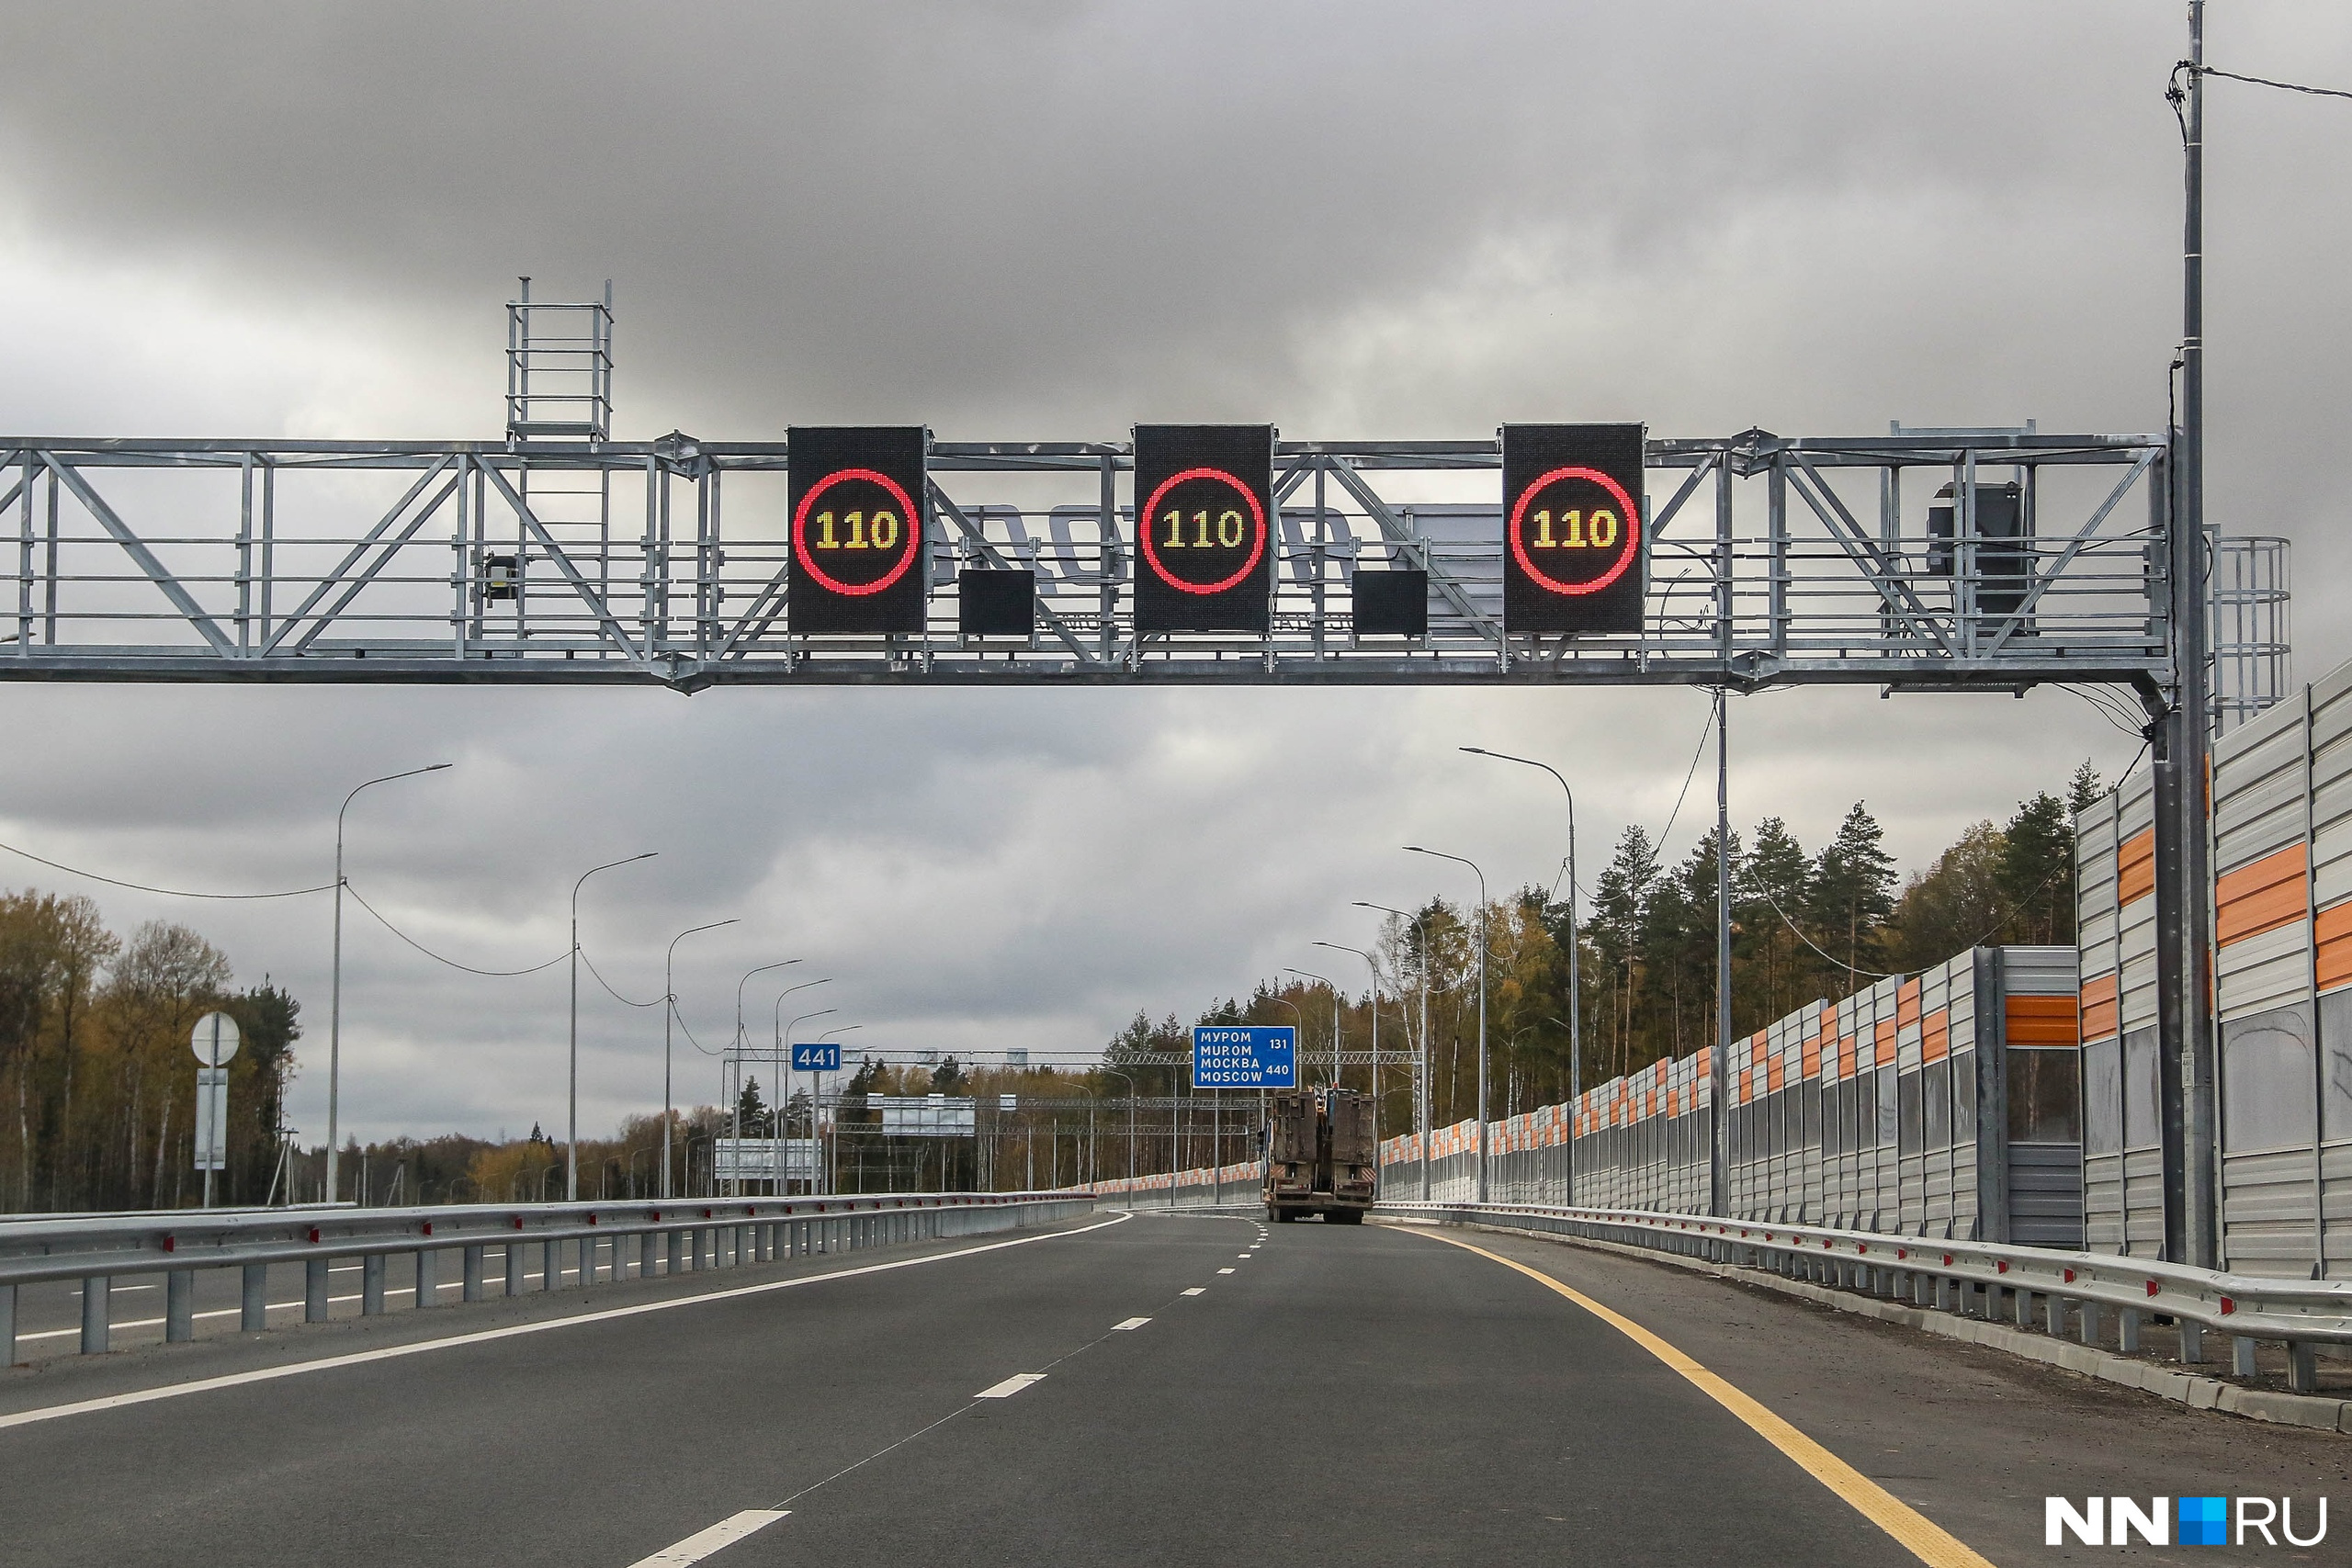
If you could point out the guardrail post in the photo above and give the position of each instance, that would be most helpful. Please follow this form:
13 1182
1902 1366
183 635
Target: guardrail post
427 1290
371 1285
2193 1341
2127 1330
2024 1308
2090 1311
315 1290
473 1291
550 1266
2302 1367
587 1261
677 1251
2053 1316
179 1306
93 1314
253 1305
2240 1356
7 1325
513 1267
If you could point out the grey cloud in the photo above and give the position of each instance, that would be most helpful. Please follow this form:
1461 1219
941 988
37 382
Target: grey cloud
1051 221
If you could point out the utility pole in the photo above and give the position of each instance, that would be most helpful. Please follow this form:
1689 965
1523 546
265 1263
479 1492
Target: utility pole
2181 743
1719 1059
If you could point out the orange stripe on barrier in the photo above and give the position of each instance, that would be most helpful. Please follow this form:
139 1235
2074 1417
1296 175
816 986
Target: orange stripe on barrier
2135 867
2044 1020
2102 1008
2259 897
2334 957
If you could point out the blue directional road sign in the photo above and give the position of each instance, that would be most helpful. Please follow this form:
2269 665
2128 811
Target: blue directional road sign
824 1058
1244 1056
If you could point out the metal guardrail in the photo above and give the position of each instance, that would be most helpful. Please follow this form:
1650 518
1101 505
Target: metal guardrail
705 1233
1950 1276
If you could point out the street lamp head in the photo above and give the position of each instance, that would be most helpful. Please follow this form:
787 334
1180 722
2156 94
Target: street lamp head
1415 849
1473 750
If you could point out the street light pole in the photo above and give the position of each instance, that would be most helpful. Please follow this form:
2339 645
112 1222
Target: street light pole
1334 989
1576 944
737 1113
669 1011
1372 964
334 1003
1131 1123
784 1106
572 1123
1441 854
834 1149
1421 1066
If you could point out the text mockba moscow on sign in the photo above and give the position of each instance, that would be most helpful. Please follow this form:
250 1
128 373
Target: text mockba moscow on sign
1244 1056
1576 544
858 530
1204 542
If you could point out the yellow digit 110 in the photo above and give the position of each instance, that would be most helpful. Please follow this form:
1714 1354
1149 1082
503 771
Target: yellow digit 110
883 531
1598 531
1229 530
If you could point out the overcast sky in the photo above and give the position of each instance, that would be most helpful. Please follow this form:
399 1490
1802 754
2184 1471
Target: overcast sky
1051 221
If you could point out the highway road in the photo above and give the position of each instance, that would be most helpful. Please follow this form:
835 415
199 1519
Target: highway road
1159 1390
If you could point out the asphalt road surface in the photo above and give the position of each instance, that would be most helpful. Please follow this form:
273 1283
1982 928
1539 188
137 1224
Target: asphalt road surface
1153 1390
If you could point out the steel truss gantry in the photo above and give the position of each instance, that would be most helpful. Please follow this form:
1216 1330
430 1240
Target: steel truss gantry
1774 562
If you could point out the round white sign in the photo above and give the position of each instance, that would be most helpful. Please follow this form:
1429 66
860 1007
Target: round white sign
215 1039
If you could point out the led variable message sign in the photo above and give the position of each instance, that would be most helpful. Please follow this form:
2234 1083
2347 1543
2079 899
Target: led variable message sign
857 529
1244 1056
1575 545
1204 528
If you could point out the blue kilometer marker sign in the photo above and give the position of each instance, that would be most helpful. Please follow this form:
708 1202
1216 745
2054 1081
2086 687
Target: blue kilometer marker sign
817 1058
1244 1056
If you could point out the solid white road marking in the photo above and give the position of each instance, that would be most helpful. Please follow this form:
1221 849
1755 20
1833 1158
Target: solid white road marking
1197 1290
485 1336
1010 1386
702 1543
1131 1323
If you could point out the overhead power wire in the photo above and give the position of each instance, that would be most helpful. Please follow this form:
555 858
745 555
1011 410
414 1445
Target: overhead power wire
688 1032
167 892
493 973
2263 82
608 984
1658 846
2065 866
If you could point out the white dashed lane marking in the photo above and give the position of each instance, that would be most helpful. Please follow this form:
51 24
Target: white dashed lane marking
1010 1386
702 1543
1131 1324
1225 1270
1197 1290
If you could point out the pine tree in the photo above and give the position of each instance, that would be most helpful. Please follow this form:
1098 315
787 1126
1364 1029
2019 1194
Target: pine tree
1774 883
2083 789
1853 890
2035 876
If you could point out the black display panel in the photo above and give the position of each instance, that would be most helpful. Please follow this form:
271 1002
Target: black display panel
857 529
991 601
1575 545
1204 528
1392 604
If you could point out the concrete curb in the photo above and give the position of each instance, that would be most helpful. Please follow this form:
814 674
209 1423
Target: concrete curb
2181 1387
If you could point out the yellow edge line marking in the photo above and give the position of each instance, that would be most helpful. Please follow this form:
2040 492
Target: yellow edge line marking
1925 1539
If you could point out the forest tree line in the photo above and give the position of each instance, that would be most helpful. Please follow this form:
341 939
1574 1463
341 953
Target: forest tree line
96 1070
1807 925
